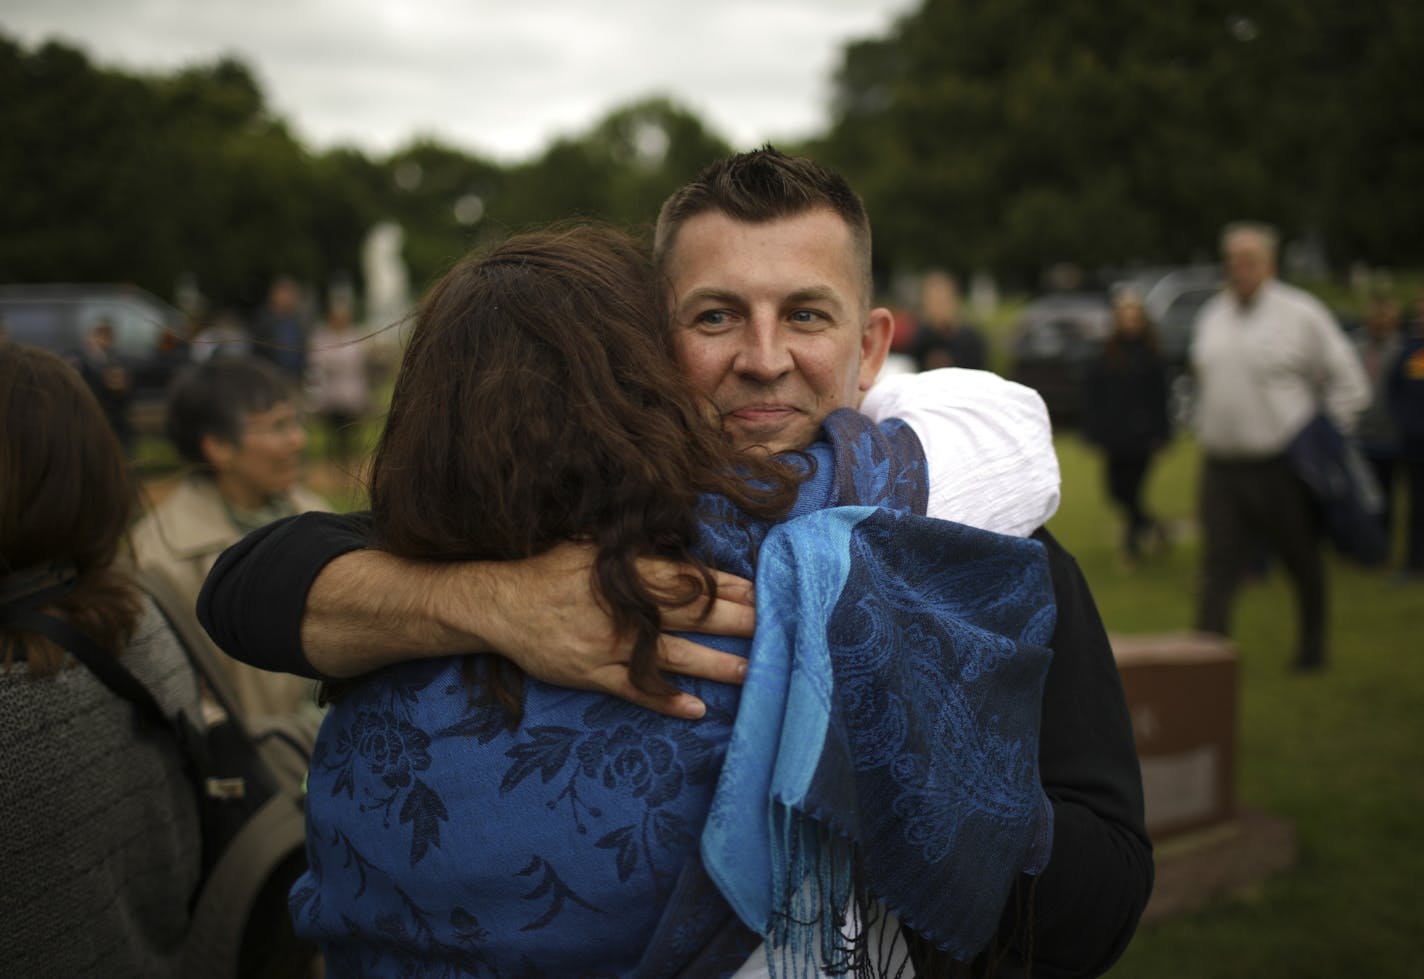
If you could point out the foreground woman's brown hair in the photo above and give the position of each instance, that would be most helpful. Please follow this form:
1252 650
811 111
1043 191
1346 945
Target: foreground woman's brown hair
65 495
538 401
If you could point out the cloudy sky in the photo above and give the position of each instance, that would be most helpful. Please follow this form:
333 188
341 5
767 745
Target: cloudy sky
499 78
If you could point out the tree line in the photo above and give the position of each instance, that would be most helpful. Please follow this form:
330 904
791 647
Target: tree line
190 176
1004 136
1008 135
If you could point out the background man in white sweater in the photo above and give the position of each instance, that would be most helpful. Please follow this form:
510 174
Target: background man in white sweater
1268 358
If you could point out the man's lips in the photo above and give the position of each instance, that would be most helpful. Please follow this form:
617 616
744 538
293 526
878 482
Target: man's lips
761 414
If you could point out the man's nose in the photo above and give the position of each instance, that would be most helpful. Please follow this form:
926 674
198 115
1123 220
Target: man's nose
764 354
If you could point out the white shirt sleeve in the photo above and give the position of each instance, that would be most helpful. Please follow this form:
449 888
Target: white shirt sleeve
1346 387
988 442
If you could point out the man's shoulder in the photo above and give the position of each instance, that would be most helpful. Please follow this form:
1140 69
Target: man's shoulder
942 386
1213 308
867 463
190 521
1056 552
306 501
1298 301
1069 582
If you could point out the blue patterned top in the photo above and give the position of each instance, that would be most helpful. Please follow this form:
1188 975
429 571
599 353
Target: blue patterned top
443 843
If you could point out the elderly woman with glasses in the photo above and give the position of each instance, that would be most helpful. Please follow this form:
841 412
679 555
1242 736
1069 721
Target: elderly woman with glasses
235 420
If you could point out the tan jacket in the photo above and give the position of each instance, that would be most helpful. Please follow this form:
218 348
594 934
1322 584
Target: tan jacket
181 539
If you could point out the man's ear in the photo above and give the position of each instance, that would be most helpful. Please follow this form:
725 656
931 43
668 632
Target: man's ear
218 451
875 345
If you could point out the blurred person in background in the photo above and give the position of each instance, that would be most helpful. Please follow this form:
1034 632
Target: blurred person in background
101 849
173 351
280 329
1405 394
1378 345
1268 358
943 337
339 379
236 421
108 379
1125 415
217 336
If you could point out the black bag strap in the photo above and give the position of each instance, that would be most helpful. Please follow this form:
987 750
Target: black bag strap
109 671
267 849
102 664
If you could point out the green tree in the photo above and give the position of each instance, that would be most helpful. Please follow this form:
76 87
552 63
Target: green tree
75 168
1374 207
430 190
190 177
241 189
1011 135
345 201
118 177
620 170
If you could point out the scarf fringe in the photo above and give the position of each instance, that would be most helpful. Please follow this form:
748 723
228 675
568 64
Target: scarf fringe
827 924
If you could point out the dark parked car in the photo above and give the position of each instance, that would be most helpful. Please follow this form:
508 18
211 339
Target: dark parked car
58 317
1056 338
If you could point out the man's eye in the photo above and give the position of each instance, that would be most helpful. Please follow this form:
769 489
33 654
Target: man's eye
809 317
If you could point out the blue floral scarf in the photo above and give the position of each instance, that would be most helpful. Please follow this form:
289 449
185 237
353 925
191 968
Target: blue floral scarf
887 735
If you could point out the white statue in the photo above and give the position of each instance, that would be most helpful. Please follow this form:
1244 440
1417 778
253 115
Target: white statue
387 280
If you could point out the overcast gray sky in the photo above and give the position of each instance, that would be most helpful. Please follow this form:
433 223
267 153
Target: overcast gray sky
499 78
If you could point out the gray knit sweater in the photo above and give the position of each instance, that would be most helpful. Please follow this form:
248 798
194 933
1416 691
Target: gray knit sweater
99 849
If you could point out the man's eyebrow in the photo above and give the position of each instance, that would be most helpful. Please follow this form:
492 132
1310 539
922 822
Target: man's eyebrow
709 294
814 294
823 294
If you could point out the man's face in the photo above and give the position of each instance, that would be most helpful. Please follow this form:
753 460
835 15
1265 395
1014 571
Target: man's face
1248 264
770 323
267 459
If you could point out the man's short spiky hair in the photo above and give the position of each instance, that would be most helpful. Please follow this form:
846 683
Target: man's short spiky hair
766 185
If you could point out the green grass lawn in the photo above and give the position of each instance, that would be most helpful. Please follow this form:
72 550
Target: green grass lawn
1338 754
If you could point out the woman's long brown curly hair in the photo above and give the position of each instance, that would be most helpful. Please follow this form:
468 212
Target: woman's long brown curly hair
538 401
65 495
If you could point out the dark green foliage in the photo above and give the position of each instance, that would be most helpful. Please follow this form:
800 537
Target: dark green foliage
1010 135
111 176
1007 136
621 170
117 177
